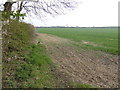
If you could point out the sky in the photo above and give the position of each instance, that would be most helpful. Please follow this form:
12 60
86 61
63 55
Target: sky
89 13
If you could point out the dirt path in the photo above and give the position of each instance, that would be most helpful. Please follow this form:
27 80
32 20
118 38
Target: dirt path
90 67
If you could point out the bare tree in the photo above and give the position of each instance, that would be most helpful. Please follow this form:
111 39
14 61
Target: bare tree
38 7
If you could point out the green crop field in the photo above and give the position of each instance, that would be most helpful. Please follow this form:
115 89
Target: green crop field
101 39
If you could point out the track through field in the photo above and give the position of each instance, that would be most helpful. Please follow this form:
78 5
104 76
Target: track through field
81 66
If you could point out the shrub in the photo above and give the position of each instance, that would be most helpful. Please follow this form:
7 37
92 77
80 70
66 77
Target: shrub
16 36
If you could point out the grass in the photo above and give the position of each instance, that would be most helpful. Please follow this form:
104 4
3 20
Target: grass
103 39
35 71
78 85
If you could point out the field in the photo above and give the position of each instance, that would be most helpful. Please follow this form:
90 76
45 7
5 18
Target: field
104 39
83 55
60 57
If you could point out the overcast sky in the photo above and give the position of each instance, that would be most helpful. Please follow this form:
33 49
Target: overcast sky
88 13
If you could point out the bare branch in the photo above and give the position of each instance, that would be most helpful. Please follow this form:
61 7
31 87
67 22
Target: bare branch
39 7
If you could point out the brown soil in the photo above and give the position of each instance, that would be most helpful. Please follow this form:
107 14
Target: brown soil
81 66
89 43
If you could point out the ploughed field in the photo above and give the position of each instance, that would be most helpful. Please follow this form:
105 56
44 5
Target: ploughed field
83 55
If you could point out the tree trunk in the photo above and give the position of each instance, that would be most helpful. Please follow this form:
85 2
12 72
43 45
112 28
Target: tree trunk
7 10
0 52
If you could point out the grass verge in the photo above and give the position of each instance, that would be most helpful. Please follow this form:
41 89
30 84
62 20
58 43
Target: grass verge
35 70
